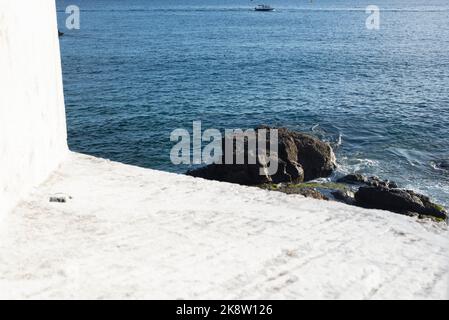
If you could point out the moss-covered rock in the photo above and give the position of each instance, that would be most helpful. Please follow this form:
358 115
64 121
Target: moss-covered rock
320 185
399 201
374 193
315 190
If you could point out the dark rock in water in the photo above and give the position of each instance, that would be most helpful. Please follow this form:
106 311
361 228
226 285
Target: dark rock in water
353 178
315 156
443 164
356 178
399 201
301 157
60 34
247 174
345 196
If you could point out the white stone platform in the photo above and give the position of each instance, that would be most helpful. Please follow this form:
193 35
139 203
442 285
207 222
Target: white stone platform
130 232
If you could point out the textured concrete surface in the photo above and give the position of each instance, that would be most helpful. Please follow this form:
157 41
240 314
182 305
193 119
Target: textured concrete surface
129 232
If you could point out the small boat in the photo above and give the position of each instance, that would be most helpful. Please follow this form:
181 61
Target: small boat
60 34
264 7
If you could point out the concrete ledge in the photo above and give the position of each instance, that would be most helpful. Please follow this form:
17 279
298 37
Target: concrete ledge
130 232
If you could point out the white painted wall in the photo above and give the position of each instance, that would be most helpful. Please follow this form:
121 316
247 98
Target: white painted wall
33 138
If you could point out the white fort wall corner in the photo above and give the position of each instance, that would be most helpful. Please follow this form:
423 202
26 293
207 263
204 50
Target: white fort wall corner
33 138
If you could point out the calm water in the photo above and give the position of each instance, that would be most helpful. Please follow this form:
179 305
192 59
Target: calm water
139 69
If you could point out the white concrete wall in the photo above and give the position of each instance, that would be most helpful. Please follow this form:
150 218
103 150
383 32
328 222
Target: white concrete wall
33 138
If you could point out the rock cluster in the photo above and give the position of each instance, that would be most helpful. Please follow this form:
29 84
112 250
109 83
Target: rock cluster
398 200
300 157
303 158
358 179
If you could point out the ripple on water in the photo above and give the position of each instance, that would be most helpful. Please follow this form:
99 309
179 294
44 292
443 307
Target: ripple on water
440 165
132 74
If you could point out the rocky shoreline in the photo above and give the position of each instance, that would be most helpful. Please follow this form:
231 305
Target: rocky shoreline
304 158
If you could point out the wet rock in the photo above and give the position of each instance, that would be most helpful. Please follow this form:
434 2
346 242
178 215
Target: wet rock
249 174
359 179
444 164
315 156
353 178
399 201
345 196
300 157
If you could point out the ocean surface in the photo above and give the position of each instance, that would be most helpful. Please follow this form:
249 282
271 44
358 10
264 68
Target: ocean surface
136 70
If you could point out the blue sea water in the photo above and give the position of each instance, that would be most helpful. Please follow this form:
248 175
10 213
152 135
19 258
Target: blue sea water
138 69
